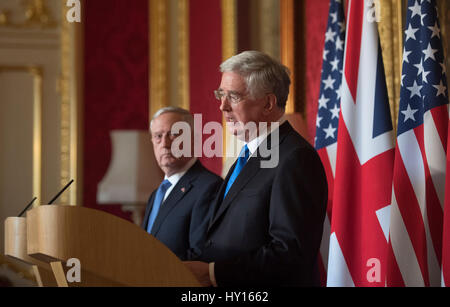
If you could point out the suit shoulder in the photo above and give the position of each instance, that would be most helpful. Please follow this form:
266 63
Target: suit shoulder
207 176
295 142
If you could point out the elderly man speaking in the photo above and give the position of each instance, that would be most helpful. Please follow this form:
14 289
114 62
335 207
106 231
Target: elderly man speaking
267 221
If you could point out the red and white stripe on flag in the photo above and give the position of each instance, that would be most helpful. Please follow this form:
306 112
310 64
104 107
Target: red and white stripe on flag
446 234
364 162
418 191
328 112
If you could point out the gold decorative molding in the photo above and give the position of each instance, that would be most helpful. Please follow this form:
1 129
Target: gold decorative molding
390 28
287 46
229 48
158 55
183 54
229 28
36 14
37 74
269 16
70 90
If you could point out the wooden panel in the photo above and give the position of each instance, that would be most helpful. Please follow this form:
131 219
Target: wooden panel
16 247
20 138
108 247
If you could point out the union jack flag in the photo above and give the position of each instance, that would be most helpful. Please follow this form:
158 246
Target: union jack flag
364 160
418 191
328 111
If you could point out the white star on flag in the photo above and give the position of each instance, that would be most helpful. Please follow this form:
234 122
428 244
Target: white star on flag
335 112
318 120
436 31
329 131
339 44
415 89
405 56
329 82
335 64
329 36
441 88
410 33
409 113
429 52
323 102
419 67
415 9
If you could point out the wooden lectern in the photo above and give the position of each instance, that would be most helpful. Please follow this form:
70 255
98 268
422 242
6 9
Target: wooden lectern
111 251
16 248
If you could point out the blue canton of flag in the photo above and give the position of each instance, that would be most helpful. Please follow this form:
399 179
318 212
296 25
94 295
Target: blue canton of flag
423 84
330 96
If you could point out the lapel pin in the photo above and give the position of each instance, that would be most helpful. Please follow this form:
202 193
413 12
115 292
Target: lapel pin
183 190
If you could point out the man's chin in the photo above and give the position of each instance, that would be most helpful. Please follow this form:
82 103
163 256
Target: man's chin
242 134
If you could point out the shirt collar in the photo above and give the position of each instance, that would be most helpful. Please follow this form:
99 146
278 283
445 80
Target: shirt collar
253 144
173 179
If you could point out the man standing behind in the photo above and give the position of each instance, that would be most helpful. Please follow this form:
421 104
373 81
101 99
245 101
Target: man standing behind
267 222
177 212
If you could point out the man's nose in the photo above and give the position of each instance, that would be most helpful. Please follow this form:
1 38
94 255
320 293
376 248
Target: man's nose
225 104
166 141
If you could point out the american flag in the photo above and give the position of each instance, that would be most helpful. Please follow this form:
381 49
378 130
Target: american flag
364 159
328 110
418 192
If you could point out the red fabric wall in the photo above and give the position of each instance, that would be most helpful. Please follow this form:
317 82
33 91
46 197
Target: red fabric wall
116 83
205 57
317 14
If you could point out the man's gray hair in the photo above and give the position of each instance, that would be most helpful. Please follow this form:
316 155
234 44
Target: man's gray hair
262 74
186 115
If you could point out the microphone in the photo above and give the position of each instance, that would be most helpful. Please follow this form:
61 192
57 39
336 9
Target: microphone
28 206
60 192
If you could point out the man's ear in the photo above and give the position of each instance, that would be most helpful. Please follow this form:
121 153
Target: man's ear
270 103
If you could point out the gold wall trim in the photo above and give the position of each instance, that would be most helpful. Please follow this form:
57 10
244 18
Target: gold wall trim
37 74
29 34
390 28
229 48
71 93
36 14
158 29
287 41
229 28
269 20
29 46
183 54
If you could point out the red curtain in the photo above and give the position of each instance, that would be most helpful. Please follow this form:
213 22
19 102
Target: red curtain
205 48
116 83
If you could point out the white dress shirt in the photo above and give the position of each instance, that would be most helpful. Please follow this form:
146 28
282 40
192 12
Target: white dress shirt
173 179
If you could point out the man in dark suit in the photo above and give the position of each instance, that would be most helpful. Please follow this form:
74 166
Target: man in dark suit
177 212
267 219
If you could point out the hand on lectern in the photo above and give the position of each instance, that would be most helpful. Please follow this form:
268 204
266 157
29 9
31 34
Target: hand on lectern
200 271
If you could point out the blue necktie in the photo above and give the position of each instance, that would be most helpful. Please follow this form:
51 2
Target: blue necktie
242 159
157 203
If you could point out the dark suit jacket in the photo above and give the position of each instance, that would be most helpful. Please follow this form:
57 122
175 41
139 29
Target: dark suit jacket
183 217
267 230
